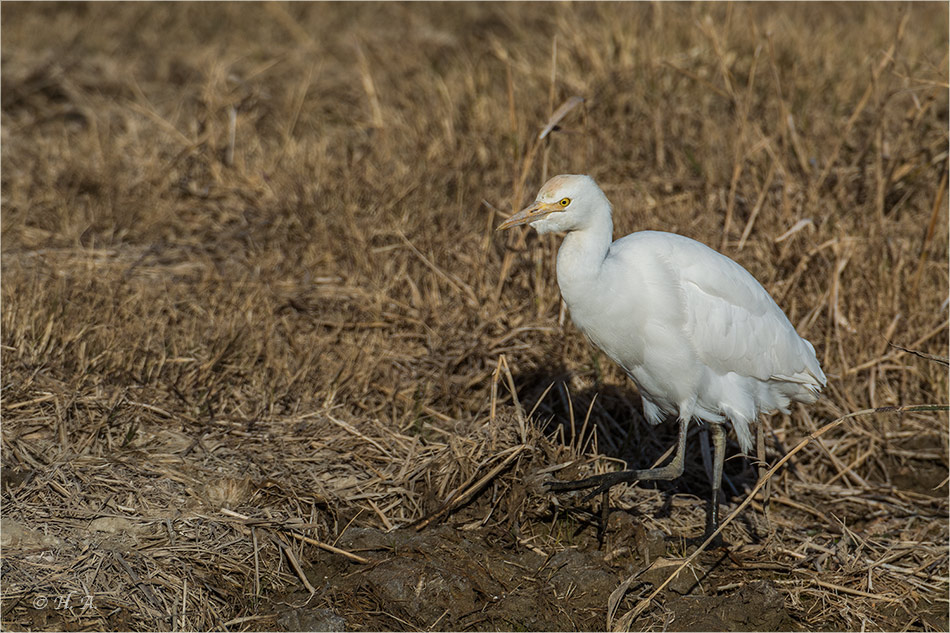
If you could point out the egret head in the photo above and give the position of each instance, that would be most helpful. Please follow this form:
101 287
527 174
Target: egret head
568 202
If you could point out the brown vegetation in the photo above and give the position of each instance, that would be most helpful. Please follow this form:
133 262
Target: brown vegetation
256 323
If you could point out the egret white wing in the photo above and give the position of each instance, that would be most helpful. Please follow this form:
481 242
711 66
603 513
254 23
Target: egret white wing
735 325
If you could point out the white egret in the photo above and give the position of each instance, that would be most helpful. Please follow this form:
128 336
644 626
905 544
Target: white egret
699 336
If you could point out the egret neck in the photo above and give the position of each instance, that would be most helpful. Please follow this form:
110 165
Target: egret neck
580 259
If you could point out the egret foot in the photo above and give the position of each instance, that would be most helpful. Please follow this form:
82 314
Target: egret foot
603 483
716 542
604 515
599 483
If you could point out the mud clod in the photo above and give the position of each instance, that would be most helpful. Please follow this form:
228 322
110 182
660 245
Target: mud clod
757 606
316 620
468 580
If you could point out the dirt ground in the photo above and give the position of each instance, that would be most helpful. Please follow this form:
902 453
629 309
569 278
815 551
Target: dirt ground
267 366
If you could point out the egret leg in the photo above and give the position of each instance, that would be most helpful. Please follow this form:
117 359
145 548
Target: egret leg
604 515
717 433
603 483
706 453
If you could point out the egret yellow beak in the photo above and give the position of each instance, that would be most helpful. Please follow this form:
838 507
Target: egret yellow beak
527 215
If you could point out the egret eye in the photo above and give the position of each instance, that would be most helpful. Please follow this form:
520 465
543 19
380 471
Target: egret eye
564 202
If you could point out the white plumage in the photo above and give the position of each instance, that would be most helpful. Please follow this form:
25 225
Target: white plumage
694 330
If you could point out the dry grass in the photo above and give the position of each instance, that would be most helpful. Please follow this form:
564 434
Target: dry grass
252 296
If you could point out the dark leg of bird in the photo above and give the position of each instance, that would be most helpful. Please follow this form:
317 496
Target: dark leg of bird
718 436
603 483
706 453
604 515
